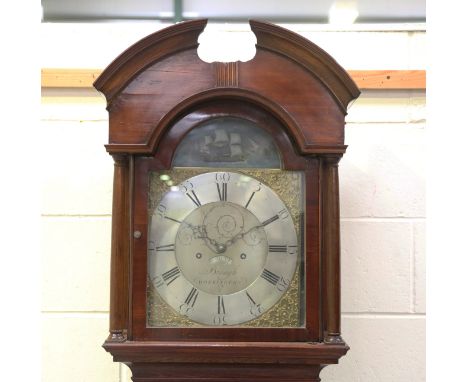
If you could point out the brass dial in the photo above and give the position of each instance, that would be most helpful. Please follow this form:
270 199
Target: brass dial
225 248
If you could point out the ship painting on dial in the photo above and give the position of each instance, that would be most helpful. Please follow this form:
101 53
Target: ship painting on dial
227 147
227 142
223 248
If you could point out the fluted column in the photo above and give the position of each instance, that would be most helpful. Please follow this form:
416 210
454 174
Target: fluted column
331 249
118 315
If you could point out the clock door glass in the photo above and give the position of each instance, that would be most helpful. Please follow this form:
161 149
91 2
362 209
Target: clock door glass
225 248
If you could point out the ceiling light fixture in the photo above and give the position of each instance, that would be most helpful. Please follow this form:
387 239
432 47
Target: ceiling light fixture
343 12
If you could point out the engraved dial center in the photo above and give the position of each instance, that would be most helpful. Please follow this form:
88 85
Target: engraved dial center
227 231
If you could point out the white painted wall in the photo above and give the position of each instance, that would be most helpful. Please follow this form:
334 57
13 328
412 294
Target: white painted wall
382 207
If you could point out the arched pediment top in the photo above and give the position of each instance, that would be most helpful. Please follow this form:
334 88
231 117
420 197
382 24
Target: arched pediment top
159 73
145 52
301 50
183 36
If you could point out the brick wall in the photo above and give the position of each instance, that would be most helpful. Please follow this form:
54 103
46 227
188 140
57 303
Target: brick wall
382 207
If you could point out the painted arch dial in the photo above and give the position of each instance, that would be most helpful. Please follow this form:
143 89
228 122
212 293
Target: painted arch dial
222 248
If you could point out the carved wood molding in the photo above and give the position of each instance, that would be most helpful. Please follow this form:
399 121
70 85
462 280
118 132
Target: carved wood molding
294 353
248 361
364 79
227 74
145 52
284 42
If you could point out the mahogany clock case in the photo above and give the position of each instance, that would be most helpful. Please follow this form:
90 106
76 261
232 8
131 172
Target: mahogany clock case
163 161
159 90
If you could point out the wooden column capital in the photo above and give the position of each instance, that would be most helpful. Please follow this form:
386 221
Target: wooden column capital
120 160
331 159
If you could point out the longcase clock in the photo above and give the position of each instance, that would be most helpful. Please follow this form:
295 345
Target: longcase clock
225 262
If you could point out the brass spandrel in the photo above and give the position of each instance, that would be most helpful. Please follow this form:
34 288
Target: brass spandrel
160 314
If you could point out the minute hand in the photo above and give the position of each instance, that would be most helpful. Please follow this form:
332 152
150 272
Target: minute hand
242 234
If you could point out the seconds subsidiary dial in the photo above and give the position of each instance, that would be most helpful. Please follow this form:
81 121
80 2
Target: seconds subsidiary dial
222 248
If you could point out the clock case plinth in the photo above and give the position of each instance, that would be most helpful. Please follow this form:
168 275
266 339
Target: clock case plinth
290 83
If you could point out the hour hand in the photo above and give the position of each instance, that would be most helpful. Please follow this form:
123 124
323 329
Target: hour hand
200 233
